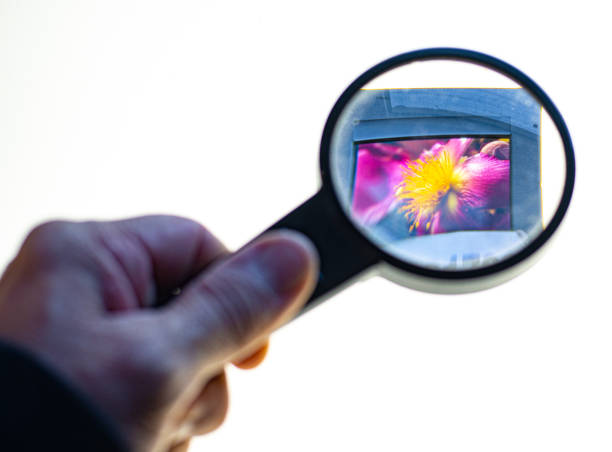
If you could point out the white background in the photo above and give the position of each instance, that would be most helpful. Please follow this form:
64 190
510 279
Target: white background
214 110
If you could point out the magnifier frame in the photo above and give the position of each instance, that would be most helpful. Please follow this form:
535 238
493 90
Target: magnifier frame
486 61
345 251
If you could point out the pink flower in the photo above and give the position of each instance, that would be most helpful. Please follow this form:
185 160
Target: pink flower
379 170
445 190
439 185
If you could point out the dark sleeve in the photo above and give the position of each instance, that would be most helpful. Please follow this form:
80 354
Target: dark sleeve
39 411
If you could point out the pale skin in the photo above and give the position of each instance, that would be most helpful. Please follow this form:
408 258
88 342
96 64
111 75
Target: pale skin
80 296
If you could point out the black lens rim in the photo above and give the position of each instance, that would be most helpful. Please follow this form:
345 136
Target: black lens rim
487 61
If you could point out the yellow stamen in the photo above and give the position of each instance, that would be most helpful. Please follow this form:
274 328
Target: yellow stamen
427 181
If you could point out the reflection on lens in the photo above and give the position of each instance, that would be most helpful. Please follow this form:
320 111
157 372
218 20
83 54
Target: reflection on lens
446 178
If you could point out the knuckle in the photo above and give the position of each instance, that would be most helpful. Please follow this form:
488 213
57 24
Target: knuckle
47 229
50 240
211 406
216 417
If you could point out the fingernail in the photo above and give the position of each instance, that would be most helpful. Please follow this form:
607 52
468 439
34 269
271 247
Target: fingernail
288 260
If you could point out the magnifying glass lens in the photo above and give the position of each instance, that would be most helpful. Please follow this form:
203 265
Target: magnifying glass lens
447 165
444 170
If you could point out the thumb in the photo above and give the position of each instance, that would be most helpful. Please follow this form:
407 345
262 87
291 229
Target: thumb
243 298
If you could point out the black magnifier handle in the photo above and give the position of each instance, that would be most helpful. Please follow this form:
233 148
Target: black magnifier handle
343 253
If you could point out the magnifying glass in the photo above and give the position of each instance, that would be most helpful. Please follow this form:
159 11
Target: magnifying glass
444 170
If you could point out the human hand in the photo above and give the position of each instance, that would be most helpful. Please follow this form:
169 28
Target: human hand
80 296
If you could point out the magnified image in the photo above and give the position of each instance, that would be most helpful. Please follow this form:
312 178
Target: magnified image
419 187
444 178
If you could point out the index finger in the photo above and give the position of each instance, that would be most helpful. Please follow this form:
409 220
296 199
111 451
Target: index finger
175 249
